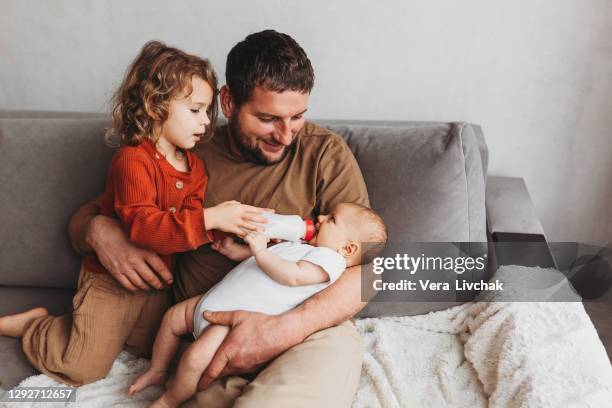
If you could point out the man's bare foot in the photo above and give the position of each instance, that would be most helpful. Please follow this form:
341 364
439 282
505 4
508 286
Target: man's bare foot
149 377
15 325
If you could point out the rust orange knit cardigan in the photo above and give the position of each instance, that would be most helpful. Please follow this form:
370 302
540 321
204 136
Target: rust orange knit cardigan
159 207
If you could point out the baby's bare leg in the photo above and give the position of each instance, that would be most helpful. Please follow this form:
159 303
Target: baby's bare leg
178 320
191 367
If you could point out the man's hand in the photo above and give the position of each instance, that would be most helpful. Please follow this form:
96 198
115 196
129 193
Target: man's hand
224 246
133 267
231 249
253 340
257 241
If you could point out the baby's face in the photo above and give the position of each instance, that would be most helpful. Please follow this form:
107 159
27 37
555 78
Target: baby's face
333 230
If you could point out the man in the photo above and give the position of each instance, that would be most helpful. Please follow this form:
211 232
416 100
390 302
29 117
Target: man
267 156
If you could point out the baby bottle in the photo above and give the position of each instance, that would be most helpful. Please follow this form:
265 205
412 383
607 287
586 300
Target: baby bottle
288 227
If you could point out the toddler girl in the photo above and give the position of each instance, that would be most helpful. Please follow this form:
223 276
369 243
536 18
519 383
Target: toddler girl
155 187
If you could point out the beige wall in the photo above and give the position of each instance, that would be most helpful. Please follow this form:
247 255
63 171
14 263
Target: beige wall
536 74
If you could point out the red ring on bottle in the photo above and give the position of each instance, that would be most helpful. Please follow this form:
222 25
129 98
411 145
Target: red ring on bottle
310 229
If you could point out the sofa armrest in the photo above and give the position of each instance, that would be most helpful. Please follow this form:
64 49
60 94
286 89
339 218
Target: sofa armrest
513 225
510 209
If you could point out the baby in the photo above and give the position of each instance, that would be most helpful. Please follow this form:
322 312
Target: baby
269 280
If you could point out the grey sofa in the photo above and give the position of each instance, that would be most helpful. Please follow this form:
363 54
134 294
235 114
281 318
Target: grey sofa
428 181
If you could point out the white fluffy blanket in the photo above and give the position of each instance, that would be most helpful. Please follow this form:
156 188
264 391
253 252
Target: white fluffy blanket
497 354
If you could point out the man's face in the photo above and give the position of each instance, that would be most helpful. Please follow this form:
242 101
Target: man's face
265 127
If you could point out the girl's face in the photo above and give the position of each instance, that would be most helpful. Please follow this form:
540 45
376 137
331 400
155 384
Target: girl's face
187 116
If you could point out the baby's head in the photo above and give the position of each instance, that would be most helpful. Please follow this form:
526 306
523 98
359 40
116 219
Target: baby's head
354 231
165 91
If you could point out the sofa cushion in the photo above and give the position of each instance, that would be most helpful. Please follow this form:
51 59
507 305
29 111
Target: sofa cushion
15 366
50 166
427 180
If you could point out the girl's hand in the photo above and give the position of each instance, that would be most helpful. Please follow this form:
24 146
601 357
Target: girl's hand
257 241
235 218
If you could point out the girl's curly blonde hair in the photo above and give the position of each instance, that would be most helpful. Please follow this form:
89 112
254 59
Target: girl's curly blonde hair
157 75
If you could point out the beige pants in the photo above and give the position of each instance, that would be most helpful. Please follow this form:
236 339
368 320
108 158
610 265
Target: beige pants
321 372
80 347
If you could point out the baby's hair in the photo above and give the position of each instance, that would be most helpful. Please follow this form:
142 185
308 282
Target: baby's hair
157 75
373 233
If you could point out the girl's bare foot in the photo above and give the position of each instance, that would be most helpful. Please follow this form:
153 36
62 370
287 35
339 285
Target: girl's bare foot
149 377
15 325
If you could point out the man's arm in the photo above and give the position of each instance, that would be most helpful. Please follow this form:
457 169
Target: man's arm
135 268
256 338
332 306
341 181
79 224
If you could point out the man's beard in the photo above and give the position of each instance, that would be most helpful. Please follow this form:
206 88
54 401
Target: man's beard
253 153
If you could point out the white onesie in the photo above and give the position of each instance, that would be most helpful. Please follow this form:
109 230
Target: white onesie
247 287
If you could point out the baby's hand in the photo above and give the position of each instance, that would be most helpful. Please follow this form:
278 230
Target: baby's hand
257 241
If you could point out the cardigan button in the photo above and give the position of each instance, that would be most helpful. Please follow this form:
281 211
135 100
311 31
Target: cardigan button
172 210
179 185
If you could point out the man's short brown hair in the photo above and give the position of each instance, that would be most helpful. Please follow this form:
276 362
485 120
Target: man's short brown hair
269 59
